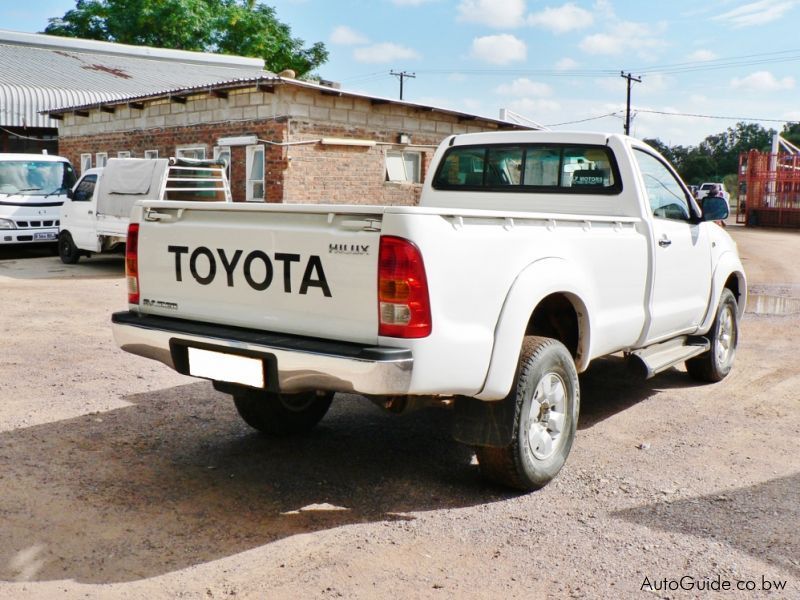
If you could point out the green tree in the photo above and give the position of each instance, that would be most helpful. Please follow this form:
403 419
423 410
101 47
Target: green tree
241 27
791 132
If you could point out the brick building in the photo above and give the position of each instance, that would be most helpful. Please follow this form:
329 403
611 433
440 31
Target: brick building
287 140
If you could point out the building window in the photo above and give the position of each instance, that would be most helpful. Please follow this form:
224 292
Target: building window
403 166
151 153
223 153
255 174
123 154
86 163
100 159
191 152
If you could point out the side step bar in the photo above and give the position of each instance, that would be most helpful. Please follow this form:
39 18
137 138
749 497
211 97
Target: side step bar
660 357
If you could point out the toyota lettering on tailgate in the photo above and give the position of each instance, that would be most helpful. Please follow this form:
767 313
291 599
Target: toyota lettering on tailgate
258 278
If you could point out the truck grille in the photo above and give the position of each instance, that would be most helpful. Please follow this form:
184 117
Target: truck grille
36 224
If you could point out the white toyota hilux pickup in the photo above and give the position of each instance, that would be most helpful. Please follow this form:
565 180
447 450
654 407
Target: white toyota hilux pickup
530 255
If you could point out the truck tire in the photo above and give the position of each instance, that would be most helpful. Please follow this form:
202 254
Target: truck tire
67 250
283 414
714 365
546 395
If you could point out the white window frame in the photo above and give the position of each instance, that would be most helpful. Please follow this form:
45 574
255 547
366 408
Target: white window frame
191 152
151 153
251 194
217 151
124 154
101 159
86 162
397 170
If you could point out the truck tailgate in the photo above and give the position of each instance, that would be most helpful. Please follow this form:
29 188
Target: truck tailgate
271 268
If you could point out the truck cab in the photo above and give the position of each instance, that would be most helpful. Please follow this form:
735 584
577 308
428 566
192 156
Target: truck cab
32 189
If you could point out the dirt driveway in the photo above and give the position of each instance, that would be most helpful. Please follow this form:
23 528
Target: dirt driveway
122 479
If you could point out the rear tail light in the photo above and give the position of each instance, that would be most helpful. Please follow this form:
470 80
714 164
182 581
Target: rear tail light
132 263
404 308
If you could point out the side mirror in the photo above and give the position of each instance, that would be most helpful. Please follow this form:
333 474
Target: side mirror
715 209
69 193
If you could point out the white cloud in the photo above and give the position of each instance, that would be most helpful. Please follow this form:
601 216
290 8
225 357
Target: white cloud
562 19
601 43
524 87
344 36
499 49
757 13
625 37
500 14
566 64
701 55
384 53
762 81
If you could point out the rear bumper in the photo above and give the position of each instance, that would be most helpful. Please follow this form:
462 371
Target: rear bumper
292 363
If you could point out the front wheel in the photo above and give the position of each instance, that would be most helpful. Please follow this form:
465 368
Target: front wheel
714 365
546 396
282 414
67 250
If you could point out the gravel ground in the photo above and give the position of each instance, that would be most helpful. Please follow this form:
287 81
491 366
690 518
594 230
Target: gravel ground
121 479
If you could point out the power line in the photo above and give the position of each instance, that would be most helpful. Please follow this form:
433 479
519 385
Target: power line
676 114
611 114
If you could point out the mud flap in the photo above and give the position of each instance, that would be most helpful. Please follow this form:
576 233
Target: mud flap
481 423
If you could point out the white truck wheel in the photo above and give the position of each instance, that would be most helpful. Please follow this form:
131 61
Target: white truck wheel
714 365
547 399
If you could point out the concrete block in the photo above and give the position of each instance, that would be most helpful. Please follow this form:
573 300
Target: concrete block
339 115
357 117
320 113
299 110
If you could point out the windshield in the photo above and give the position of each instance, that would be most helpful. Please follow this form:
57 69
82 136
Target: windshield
35 178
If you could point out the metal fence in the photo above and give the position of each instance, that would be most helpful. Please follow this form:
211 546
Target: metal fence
769 189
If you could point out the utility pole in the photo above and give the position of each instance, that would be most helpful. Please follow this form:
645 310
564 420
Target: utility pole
402 75
630 78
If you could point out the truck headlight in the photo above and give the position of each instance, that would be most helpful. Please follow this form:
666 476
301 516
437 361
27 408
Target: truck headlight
7 224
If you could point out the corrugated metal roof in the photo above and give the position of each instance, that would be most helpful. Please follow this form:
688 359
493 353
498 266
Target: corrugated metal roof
38 78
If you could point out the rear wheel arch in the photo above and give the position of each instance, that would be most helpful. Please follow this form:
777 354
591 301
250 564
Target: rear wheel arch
560 311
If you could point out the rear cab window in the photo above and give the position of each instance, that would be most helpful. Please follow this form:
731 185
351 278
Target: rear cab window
552 168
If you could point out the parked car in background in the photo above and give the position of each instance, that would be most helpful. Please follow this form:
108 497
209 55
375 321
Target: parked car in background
702 191
32 189
94 218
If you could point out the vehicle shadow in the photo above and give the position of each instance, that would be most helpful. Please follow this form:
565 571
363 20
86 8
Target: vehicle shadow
757 520
608 387
176 479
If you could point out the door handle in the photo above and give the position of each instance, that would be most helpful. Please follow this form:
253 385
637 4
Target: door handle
91 212
664 242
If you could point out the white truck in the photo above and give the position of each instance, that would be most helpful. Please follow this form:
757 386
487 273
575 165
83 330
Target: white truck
32 188
530 255
94 217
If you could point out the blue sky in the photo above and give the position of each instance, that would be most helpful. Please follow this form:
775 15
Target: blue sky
553 62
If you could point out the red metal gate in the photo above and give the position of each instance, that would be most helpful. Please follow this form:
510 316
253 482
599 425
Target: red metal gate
769 189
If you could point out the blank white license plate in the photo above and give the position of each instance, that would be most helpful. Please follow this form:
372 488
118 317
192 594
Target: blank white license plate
226 367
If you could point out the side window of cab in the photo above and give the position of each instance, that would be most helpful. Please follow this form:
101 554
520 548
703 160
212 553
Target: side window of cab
666 195
83 192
